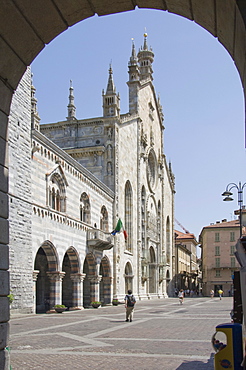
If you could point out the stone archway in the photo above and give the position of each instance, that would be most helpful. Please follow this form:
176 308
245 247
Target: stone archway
71 281
90 280
106 281
45 262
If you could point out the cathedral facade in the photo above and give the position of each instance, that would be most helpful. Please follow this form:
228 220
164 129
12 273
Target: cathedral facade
72 182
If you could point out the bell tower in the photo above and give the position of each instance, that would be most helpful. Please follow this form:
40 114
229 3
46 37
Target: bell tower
133 82
35 119
111 100
145 60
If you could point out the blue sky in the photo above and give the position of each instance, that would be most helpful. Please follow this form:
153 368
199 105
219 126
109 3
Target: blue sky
200 92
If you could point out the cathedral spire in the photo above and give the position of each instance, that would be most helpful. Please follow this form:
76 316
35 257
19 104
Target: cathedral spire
145 47
133 59
133 82
71 107
35 119
111 100
160 109
145 59
110 87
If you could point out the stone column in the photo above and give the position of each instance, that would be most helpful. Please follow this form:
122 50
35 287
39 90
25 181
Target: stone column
107 289
94 282
34 278
55 286
77 280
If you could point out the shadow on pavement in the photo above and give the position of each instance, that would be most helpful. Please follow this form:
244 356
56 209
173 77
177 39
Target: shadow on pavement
193 365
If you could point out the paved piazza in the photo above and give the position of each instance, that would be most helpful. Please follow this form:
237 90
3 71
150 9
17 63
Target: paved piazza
163 335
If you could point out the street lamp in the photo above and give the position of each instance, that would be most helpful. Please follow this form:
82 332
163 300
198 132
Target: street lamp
227 194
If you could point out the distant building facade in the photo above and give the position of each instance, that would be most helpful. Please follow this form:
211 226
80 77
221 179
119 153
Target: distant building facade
70 183
186 264
218 260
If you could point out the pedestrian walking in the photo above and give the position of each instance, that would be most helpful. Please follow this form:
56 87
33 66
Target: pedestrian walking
130 301
211 293
181 296
220 291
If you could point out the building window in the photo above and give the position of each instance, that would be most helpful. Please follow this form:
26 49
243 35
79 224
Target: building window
168 241
232 250
85 208
233 262
128 215
57 196
143 220
232 236
217 237
217 250
104 219
217 273
217 262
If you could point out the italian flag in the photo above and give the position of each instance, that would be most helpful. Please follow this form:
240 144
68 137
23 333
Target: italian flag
119 227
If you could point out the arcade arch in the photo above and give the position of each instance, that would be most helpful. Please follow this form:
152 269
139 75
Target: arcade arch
71 279
46 267
90 279
105 283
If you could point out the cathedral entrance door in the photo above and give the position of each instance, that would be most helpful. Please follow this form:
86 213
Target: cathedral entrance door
152 271
128 277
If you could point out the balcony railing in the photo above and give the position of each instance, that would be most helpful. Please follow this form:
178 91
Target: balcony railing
98 239
225 266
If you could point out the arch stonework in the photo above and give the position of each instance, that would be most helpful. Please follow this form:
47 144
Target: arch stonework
20 44
72 281
74 260
51 255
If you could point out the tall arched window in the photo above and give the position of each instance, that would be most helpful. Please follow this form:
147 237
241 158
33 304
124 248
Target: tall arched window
57 196
168 240
128 215
104 219
85 208
143 221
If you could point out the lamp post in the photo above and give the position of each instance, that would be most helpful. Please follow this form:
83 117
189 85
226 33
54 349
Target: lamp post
227 194
239 293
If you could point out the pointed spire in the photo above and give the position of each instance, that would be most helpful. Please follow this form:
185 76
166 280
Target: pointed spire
133 59
71 107
111 100
160 109
110 87
133 82
35 119
145 47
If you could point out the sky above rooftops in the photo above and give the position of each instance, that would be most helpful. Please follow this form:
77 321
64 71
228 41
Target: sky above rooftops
199 87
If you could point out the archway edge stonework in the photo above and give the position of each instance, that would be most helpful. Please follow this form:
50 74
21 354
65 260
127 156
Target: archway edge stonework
24 33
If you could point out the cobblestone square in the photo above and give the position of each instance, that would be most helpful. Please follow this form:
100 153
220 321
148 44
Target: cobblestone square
163 335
